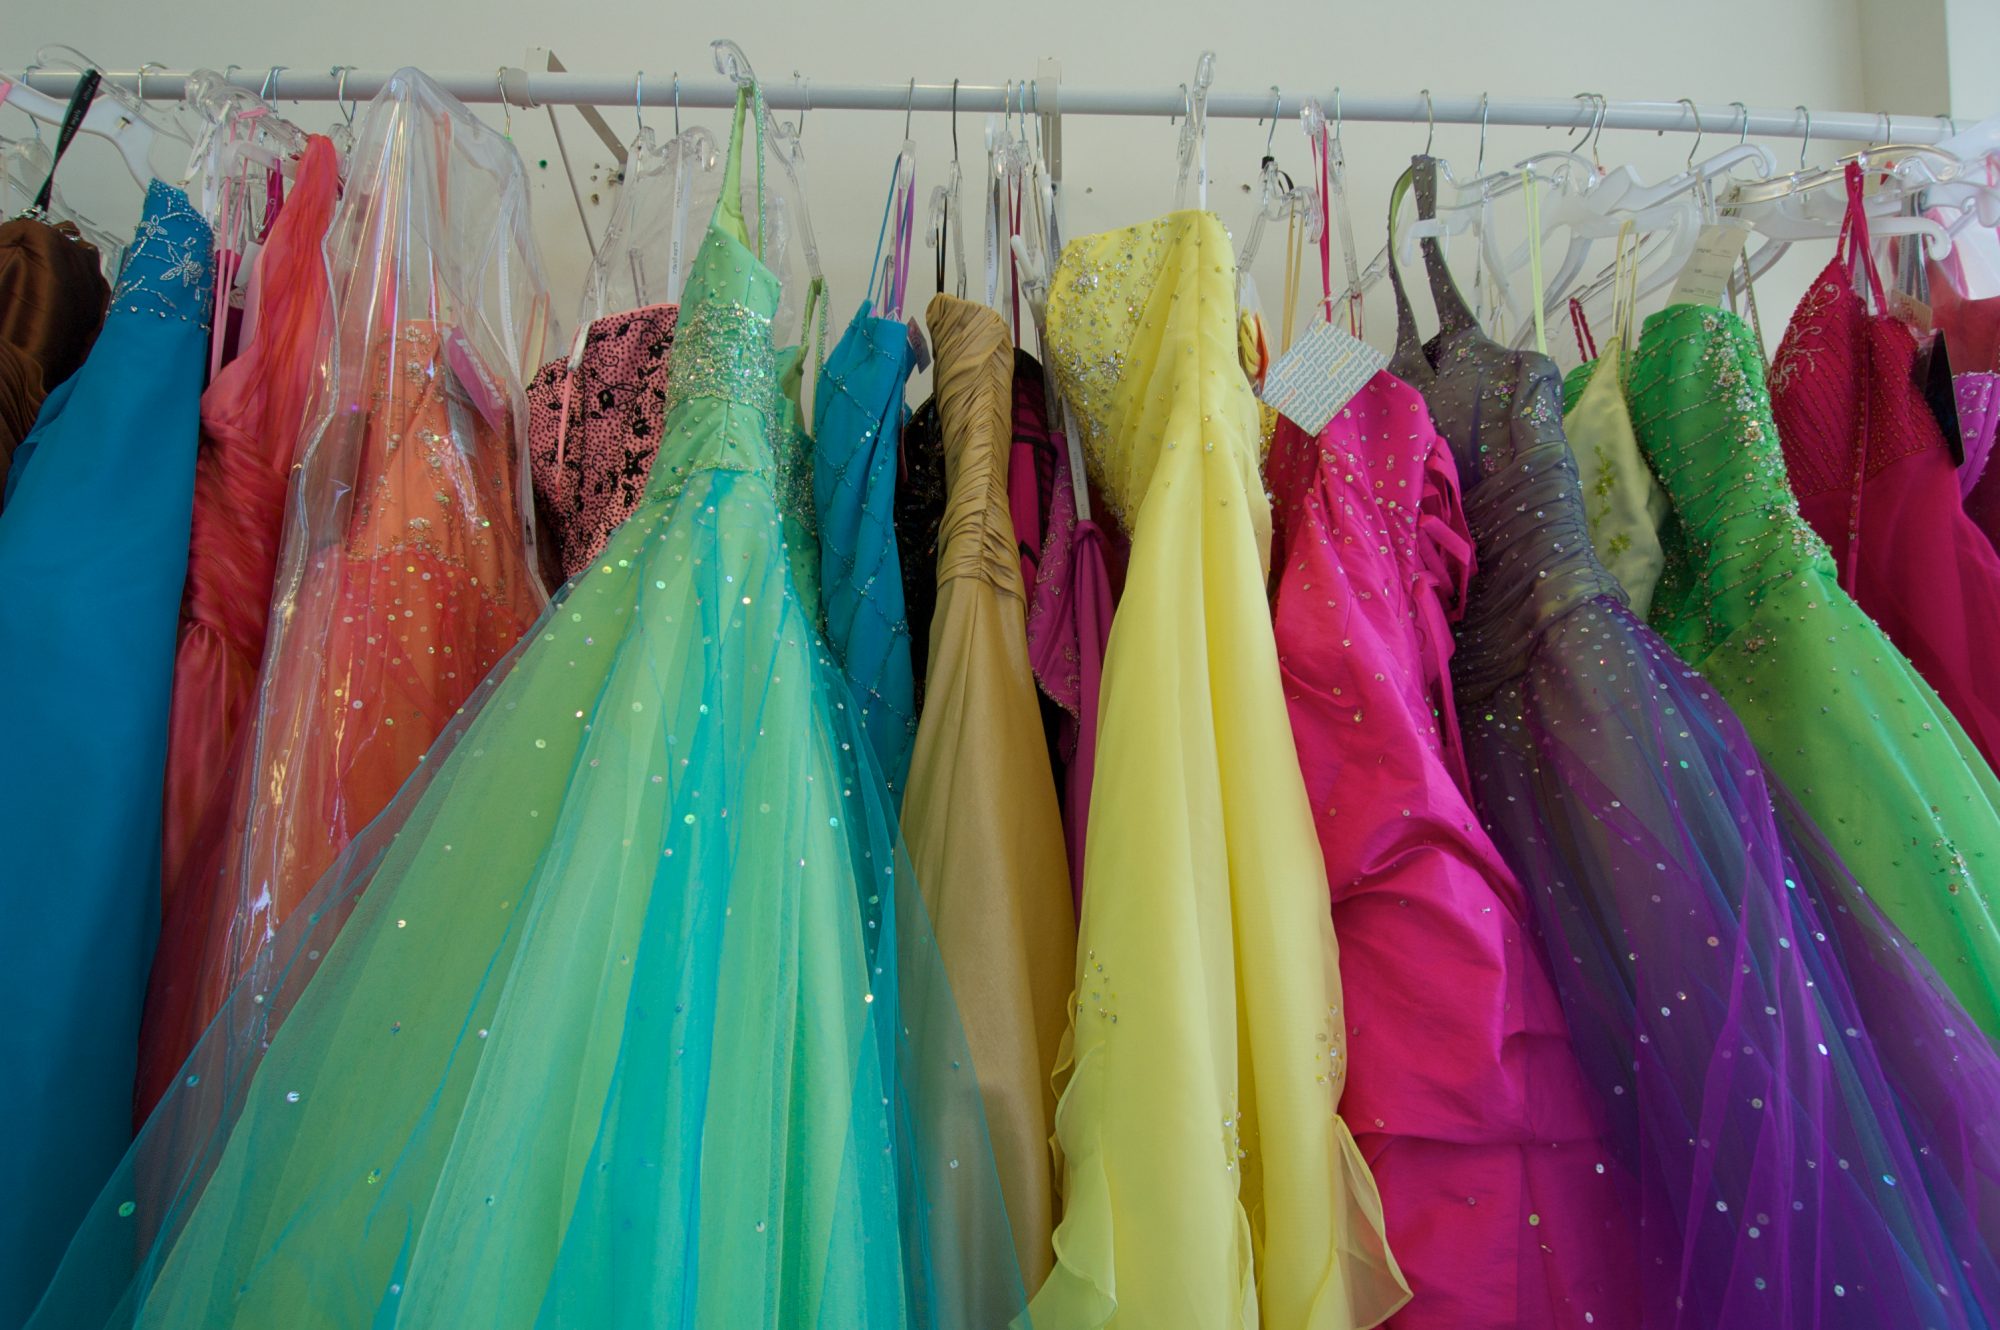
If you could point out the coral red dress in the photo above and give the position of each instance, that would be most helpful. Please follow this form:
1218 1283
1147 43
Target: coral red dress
251 418
1875 479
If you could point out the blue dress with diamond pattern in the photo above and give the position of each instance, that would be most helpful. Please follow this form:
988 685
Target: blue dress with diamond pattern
858 419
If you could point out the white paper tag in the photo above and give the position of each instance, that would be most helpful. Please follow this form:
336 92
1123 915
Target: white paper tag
1708 269
1319 375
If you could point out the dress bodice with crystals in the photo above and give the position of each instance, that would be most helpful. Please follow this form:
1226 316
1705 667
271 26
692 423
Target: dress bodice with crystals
1751 599
1209 1181
1501 411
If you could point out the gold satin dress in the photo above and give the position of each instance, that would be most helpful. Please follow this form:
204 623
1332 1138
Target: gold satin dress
981 818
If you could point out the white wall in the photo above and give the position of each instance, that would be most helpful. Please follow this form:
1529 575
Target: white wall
1770 53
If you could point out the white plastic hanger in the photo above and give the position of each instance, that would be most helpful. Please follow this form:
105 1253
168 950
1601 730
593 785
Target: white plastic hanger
106 119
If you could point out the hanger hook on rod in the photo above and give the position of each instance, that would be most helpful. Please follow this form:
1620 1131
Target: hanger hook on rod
1277 104
141 90
1887 132
1337 124
269 92
909 107
1485 104
506 107
1743 124
1597 130
805 87
340 102
1805 142
639 99
954 122
1694 111
1430 120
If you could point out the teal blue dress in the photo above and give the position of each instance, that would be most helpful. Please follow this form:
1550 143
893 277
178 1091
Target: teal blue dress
626 1011
93 549
858 419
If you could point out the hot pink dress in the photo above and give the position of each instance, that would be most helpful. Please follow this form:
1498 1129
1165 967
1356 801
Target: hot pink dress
1068 567
1462 1087
1875 479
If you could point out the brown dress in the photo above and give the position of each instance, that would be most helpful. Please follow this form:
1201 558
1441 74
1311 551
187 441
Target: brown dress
52 301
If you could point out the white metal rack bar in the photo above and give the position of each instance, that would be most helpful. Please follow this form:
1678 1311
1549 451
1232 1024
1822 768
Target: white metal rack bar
660 88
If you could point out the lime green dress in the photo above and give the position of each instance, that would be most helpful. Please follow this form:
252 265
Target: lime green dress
1750 598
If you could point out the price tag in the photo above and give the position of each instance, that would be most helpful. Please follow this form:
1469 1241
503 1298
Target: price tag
1708 269
1319 375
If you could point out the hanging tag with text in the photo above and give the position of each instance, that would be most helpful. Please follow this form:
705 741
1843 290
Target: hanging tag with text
1319 375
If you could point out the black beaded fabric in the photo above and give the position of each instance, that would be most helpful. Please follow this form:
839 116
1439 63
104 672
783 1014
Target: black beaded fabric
920 482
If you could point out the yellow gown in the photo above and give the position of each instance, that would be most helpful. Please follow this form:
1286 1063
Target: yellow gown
1208 1181
981 819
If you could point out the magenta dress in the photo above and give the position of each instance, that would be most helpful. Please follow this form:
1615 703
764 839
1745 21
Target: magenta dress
1068 566
1874 478
1462 1088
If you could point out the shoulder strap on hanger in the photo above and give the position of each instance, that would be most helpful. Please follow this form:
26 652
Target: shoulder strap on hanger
1855 247
79 106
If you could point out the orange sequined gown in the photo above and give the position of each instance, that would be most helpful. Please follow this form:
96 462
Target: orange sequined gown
429 586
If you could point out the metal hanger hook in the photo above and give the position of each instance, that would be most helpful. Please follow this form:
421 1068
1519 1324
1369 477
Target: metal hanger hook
1430 120
140 91
954 122
1597 130
1485 104
1277 104
269 92
340 102
639 99
1694 111
1887 133
506 107
1743 125
909 107
1337 123
677 106
1805 142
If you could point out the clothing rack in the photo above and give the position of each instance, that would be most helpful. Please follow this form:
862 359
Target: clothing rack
524 89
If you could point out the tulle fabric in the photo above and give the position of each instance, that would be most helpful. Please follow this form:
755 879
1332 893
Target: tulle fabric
601 1043
634 1016
252 417
407 570
1771 1130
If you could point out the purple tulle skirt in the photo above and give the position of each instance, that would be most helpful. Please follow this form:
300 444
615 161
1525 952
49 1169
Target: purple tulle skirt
1805 1114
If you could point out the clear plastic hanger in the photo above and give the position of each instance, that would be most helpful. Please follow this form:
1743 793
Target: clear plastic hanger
1194 135
785 148
133 136
946 220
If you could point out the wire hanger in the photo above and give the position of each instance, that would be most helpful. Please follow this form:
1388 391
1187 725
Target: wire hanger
947 223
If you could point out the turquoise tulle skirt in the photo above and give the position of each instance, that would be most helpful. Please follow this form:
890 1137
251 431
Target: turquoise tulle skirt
626 1012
